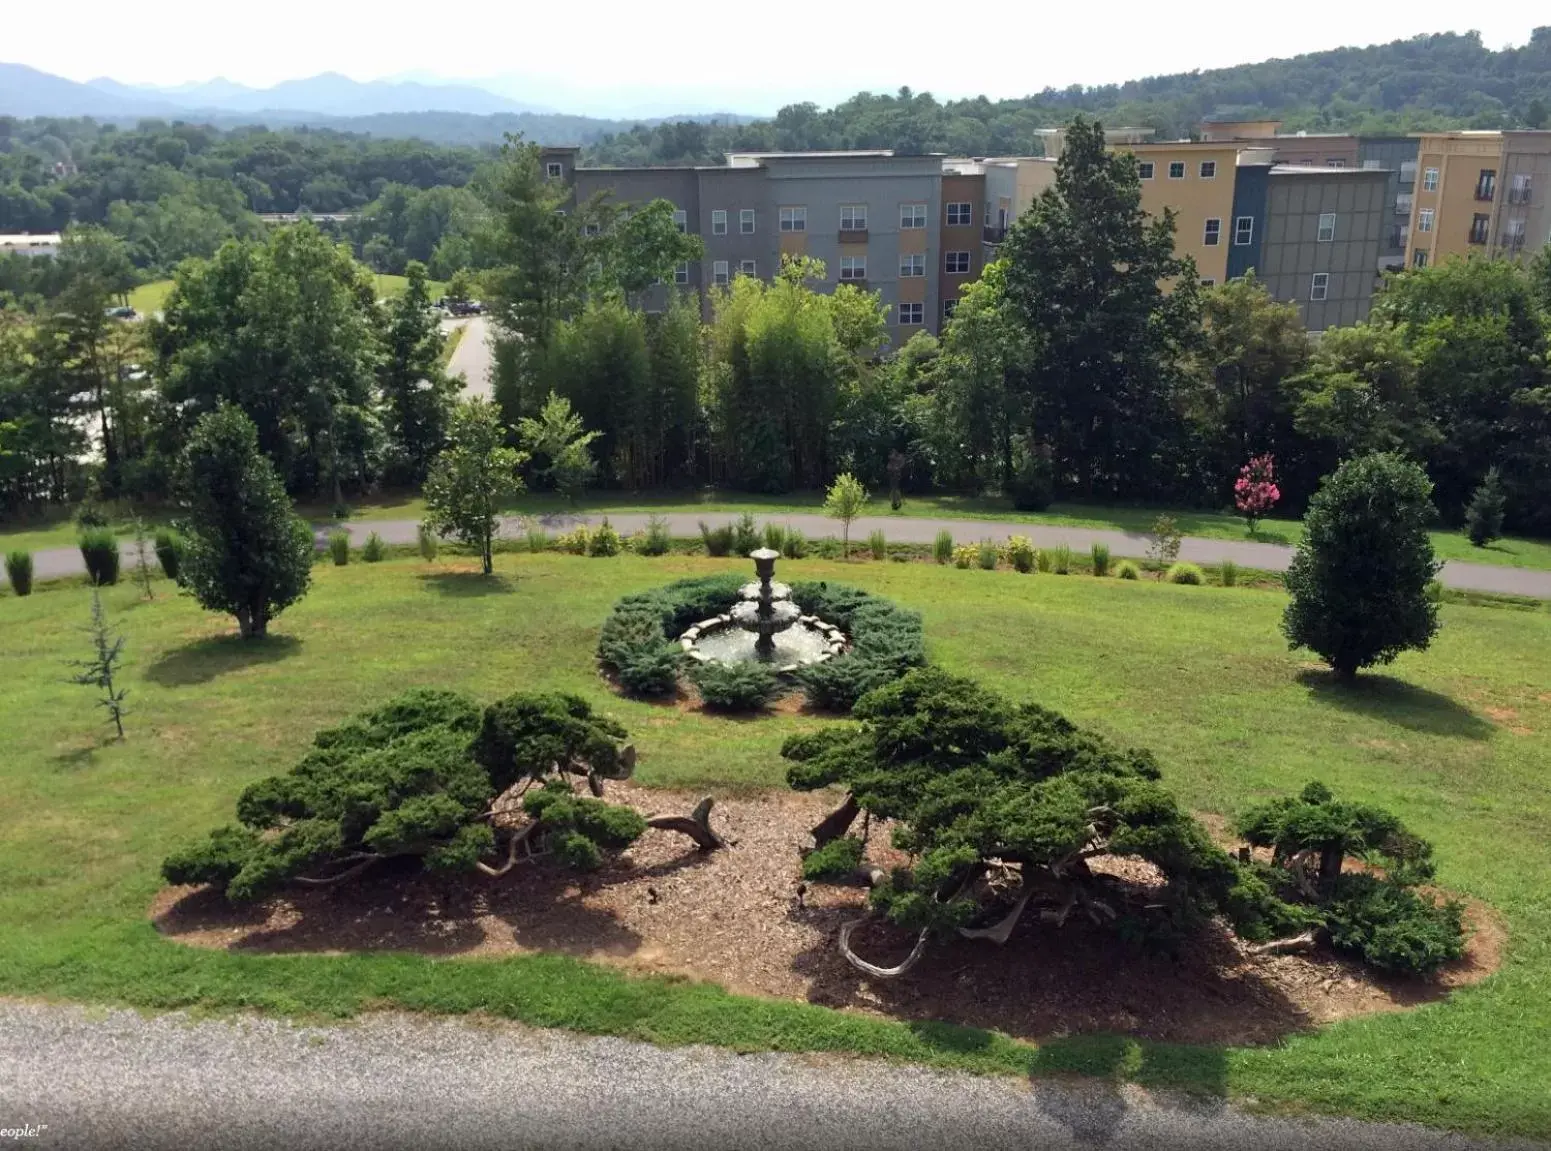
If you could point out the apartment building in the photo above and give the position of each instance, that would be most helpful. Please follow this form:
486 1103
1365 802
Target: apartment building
1480 192
966 212
875 219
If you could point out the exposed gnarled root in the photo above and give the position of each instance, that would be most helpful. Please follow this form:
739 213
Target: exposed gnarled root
873 969
696 825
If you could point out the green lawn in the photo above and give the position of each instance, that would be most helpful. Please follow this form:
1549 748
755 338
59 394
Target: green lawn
1455 740
148 299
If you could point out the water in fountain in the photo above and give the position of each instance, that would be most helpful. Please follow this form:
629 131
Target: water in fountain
765 625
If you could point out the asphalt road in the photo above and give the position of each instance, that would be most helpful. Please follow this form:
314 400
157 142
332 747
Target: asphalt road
472 358
1271 557
82 1079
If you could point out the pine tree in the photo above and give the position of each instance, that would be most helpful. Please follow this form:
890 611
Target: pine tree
98 671
417 395
1484 514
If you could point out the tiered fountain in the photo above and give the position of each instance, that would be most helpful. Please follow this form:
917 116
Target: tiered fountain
764 625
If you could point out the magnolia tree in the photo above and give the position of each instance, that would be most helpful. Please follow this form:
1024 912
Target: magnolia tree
1255 492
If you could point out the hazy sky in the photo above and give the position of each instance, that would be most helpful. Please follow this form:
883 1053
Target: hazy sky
730 54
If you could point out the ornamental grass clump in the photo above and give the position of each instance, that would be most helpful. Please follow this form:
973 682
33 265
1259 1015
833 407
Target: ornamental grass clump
1061 559
1228 573
718 541
169 546
794 546
339 548
1043 560
538 540
1100 554
1184 573
1125 569
985 555
657 541
427 541
18 570
373 549
942 547
775 537
99 551
878 545
746 536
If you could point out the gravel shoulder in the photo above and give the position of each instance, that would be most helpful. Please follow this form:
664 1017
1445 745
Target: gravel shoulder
92 1079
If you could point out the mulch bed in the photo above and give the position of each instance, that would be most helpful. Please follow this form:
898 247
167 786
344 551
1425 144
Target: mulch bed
735 918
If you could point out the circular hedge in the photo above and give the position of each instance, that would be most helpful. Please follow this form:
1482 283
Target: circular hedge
640 639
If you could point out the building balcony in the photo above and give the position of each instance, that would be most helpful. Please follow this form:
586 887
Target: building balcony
1486 193
855 281
993 235
1519 195
1477 236
853 235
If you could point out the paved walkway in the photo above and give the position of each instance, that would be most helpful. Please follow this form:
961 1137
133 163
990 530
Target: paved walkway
91 1080
1271 557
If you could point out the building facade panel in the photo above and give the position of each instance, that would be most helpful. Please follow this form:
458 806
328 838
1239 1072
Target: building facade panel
1323 235
962 232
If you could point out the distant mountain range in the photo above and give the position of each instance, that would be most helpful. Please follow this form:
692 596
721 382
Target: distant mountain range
448 113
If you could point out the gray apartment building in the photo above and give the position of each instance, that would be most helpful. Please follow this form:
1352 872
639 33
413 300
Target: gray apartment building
872 217
1324 228
1397 156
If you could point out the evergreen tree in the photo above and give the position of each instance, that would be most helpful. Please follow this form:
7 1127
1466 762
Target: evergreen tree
1359 579
246 551
1110 311
417 396
1484 514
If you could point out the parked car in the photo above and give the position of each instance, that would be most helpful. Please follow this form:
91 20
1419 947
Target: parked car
122 313
465 307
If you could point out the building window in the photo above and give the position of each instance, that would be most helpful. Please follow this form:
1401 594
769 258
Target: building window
853 217
746 268
1370 165
1208 169
1486 184
1403 204
719 222
912 215
948 308
591 229
1335 162
746 223
554 170
1424 220
1408 171
1430 180
1319 286
1144 169
1327 227
853 268
1419 259
1213 234
1521 188
1243 231
1513 236
961 215
719 272
794 219
681 273
912 314
912 266
988 213
681 219
956 263
1478 228
1177 170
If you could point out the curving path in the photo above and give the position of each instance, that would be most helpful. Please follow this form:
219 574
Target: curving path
54 562
91 1080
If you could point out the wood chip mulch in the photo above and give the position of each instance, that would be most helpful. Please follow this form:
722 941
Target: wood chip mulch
737 918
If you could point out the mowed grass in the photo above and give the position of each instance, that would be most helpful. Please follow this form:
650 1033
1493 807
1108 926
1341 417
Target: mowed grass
150 298
1454 740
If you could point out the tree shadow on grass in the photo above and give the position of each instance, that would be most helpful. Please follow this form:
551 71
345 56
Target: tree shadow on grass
204 660
466 584
1395 701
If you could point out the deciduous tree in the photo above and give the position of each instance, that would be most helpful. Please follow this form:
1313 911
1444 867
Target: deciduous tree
475 474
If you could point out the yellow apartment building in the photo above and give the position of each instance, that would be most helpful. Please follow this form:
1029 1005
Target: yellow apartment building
1196 180
1480 192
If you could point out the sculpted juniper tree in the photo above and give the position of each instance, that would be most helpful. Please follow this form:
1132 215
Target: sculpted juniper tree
1359 579
246 551
472 478
432 776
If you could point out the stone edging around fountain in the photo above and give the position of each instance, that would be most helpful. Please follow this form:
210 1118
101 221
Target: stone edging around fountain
834 639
